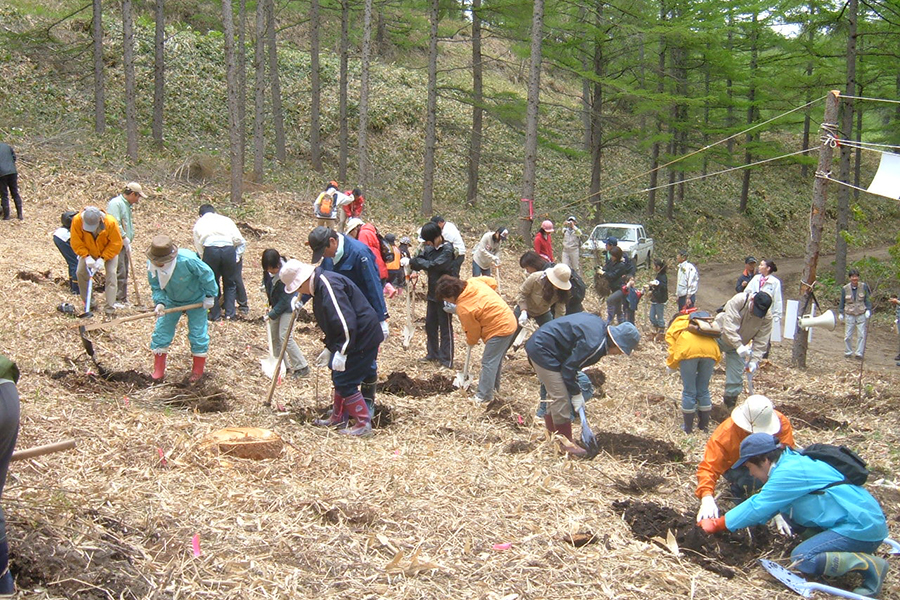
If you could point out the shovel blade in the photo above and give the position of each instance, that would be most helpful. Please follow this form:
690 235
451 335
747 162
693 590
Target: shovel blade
408 332
268 366
87 343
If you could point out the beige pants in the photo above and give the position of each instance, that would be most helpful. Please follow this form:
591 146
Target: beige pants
111 284
557 394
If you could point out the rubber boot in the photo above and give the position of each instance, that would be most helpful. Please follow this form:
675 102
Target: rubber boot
368 389
872 568
703 420
7 583
19 210
197 369
6 211
565 430
688 426
337 414
355 407
159 367
729 401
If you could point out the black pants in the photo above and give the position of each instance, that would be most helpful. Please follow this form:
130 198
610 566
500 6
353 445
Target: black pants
240 292
439 333
9 186
65 248
9 431
222 261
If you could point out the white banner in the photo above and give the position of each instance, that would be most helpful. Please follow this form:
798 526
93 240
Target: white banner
887 179
790 318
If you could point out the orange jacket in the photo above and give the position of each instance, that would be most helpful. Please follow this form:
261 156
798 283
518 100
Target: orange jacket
482 312
106 245
724 448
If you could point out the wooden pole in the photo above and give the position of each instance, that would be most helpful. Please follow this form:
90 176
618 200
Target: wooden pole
816 223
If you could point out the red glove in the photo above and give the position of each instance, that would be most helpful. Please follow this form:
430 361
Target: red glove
712 526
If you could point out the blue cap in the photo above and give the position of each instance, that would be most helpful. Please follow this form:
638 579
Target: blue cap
756 444
625 335
611 241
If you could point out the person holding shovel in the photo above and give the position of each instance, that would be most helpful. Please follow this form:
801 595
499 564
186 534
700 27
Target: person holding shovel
486 254
746 325
845 522
9 432
484 316
97 242
278 319
437 258
120 208
352 337
178 278
561 348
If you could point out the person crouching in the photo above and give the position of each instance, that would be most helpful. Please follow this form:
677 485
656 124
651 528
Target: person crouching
352 337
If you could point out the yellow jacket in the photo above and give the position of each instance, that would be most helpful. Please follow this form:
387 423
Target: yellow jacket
106 245
482 312
684 345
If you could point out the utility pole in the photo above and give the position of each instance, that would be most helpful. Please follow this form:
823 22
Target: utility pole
816 222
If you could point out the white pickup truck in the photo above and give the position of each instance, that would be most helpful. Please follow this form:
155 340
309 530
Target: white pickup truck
632 240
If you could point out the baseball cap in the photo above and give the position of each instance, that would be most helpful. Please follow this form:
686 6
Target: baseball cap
750 260
625 335
612 241
761 303
756 444
135 187
294 273
572 218
90 218
756 415
318 241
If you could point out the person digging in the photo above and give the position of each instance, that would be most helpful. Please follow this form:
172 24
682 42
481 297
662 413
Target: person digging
178 278
843 524
352 337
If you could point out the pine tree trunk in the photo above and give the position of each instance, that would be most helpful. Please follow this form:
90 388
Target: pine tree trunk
431 114
131 132
275 82
807 113
477 110
315 146
242 74
751 111
363 174
231 84
660 126
99 79
597 68
159 74
342 93
729 86
847 107
857 152
585 84
259 93
531 121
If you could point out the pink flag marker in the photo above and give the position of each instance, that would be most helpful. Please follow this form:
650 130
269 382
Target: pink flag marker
503 546
195 544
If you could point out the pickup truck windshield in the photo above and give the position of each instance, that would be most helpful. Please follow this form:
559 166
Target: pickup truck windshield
622 233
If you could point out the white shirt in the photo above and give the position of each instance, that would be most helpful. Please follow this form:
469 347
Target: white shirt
487 251
451 234
771 286
63 233
217 230
688 280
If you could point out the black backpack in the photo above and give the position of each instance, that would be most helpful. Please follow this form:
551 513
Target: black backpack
846 461
387 252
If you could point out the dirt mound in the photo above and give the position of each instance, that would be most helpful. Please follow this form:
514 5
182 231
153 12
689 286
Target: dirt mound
201 397
803 418
103 380
642 483
249 231
643 449
519 447
721 553
401 384
384 415
33 277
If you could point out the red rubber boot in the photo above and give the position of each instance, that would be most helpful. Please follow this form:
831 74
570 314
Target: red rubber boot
197 369
159 367
337 414
355 406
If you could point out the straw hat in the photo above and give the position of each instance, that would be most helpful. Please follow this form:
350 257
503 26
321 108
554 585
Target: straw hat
756 415
560 276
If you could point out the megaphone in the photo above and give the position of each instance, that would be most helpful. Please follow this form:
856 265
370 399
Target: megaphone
826 320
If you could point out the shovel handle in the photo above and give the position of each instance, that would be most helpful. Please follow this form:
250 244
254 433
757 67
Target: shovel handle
287 338
41 450
144 315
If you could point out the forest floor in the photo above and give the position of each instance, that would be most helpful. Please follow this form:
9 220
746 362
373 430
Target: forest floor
446 500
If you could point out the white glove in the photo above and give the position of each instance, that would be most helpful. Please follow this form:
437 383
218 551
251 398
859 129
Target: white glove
708 509
577 402
523 318
670 371
654 283
89 263
126 243
384 329
208 302
841 317
497 262
781 525
295 303
339 362
868 313
160 310
744 351
324 358
752 367
449 308
99 264
404 261
266 318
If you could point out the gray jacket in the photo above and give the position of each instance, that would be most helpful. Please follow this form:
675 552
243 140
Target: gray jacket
740 326
7 160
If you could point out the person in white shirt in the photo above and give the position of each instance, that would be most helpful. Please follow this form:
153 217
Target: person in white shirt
571 244
765 281
62 237
487 252
220 244
688 281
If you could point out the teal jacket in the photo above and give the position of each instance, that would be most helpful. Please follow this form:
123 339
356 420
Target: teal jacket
846 509
120 208
191 281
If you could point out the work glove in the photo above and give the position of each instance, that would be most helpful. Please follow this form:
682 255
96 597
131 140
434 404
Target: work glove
324 358
868 314
126 243
577 402
89 263
781 525
160 310
449 308
404 261
752 367
841 317
497 262
654 283
265 318
708 508
295 303
744 351
523 318
384 329
670 371
339 362
712 526
208 302
99 264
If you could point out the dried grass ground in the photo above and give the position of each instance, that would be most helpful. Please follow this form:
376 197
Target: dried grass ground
449 500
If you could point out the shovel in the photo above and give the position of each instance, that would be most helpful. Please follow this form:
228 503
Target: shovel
803 587
88 344
409 329
277 370
134 279
749 377
269 363
587 436
463 380
138 317
42 450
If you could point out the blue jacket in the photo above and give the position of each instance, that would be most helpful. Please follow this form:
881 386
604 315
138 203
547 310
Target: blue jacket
344 314
567 345
845 509
191 281
358 264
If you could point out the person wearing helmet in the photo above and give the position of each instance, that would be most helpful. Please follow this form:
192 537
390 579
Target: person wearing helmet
543 243
755 415
571 244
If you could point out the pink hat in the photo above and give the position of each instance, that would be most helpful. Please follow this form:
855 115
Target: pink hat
547 226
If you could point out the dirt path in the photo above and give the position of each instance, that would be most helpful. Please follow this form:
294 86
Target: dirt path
717 282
